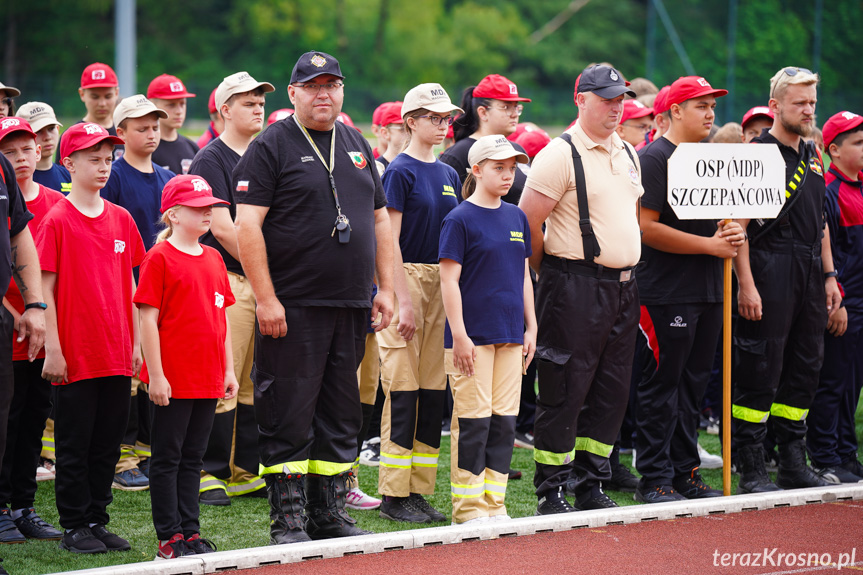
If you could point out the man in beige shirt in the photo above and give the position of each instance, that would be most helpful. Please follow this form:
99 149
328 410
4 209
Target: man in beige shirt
587 298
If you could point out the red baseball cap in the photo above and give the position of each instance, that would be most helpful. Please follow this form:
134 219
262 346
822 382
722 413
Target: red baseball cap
345 119
660 103
11 124
376 115
533 141
838 123
496 87
391 114
279 115
688 87
211 103
99 75
167 87
755 113
633 109
82 136
188 190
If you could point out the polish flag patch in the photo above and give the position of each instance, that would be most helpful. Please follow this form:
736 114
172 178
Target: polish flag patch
243 186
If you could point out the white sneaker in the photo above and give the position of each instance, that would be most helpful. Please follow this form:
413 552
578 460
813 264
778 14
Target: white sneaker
356 499
474 521
503 517
46 470
371 452
708 460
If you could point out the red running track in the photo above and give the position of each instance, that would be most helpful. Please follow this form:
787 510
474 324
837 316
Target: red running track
832 531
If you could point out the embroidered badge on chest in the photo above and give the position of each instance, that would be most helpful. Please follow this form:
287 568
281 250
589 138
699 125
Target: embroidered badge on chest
358 159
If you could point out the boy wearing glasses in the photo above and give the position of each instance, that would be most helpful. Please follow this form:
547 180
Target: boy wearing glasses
787 290
635 122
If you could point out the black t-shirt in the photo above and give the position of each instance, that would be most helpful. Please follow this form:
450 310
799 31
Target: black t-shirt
119 149
666 278
308 266
171 155
12 204
806 216
216 163
456 156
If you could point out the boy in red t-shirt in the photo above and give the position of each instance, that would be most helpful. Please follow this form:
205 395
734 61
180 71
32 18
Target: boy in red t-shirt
31 401
87 248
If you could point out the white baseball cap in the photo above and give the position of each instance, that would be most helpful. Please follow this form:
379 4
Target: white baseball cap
237 84
136 106
494 147
431 97
39 114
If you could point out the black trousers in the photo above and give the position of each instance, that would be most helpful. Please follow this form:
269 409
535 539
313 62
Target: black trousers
31 405
7 381
179 435
585 344
669 402
307 402
89 422
779 357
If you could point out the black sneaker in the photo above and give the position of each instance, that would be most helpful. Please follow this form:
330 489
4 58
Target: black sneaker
173 548
514 474
524 440
657 494
836 475
425 507
198 545
34 527
553 502
402 509
9 532
693 486
854 466
214 497
111 541
622 479
82 540
594 498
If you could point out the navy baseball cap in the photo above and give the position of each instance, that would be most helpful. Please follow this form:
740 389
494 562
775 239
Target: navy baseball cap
602 80
314 64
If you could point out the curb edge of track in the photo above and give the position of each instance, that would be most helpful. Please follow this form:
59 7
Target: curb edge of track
256 557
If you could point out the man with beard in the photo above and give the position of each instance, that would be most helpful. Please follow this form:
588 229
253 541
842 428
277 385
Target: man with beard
785 275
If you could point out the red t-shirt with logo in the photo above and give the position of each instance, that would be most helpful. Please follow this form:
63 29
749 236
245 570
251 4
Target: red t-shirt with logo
39 207
93 259
191 293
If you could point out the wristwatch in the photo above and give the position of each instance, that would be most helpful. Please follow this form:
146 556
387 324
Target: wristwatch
36 305
833 274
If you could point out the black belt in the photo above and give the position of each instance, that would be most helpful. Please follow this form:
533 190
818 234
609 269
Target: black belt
583 268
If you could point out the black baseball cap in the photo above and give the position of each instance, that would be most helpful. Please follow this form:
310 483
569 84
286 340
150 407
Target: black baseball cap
313 64
602 80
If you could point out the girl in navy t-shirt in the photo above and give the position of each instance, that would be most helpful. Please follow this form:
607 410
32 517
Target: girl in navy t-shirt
490 335
421 191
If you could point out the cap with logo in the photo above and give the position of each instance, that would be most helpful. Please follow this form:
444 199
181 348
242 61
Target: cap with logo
838 123
688 87
660 103
376 115
496 87
602 80
239 83
633 109
188 190
84 135
10 91
313 64
39 114
392 114
494 147
279 115
99 75
136 106
11 124
431 97
756 113
167 87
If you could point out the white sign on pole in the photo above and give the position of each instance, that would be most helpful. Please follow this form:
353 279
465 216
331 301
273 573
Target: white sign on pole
723 181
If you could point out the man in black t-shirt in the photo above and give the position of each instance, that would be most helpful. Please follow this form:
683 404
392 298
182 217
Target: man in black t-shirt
681 286
231 461
175 151
787 288
313 230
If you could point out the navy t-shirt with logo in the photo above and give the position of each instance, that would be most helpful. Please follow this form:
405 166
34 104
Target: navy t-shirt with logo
491 245
281 171
56 177
424 193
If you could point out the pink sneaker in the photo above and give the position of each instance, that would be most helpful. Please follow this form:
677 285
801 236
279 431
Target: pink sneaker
356 499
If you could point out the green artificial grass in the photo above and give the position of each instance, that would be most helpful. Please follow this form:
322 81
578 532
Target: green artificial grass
245 522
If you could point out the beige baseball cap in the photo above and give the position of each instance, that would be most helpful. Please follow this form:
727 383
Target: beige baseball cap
39 114
494 147
431 97
136 106
237 84
10 91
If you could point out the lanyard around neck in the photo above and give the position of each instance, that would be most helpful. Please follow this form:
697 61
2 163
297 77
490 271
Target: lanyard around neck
332 163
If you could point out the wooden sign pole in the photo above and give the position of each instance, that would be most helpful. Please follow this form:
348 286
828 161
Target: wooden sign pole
726 379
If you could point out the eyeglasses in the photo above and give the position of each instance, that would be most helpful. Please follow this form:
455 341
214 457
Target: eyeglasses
316 88
510 109
639 127
792 71
437 120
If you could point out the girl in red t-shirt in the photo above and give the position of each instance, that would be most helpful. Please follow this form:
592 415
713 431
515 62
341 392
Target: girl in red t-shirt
182 295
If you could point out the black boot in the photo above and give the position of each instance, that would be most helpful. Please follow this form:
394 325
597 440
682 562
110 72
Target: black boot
326 507
287 508
753 475
793 471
